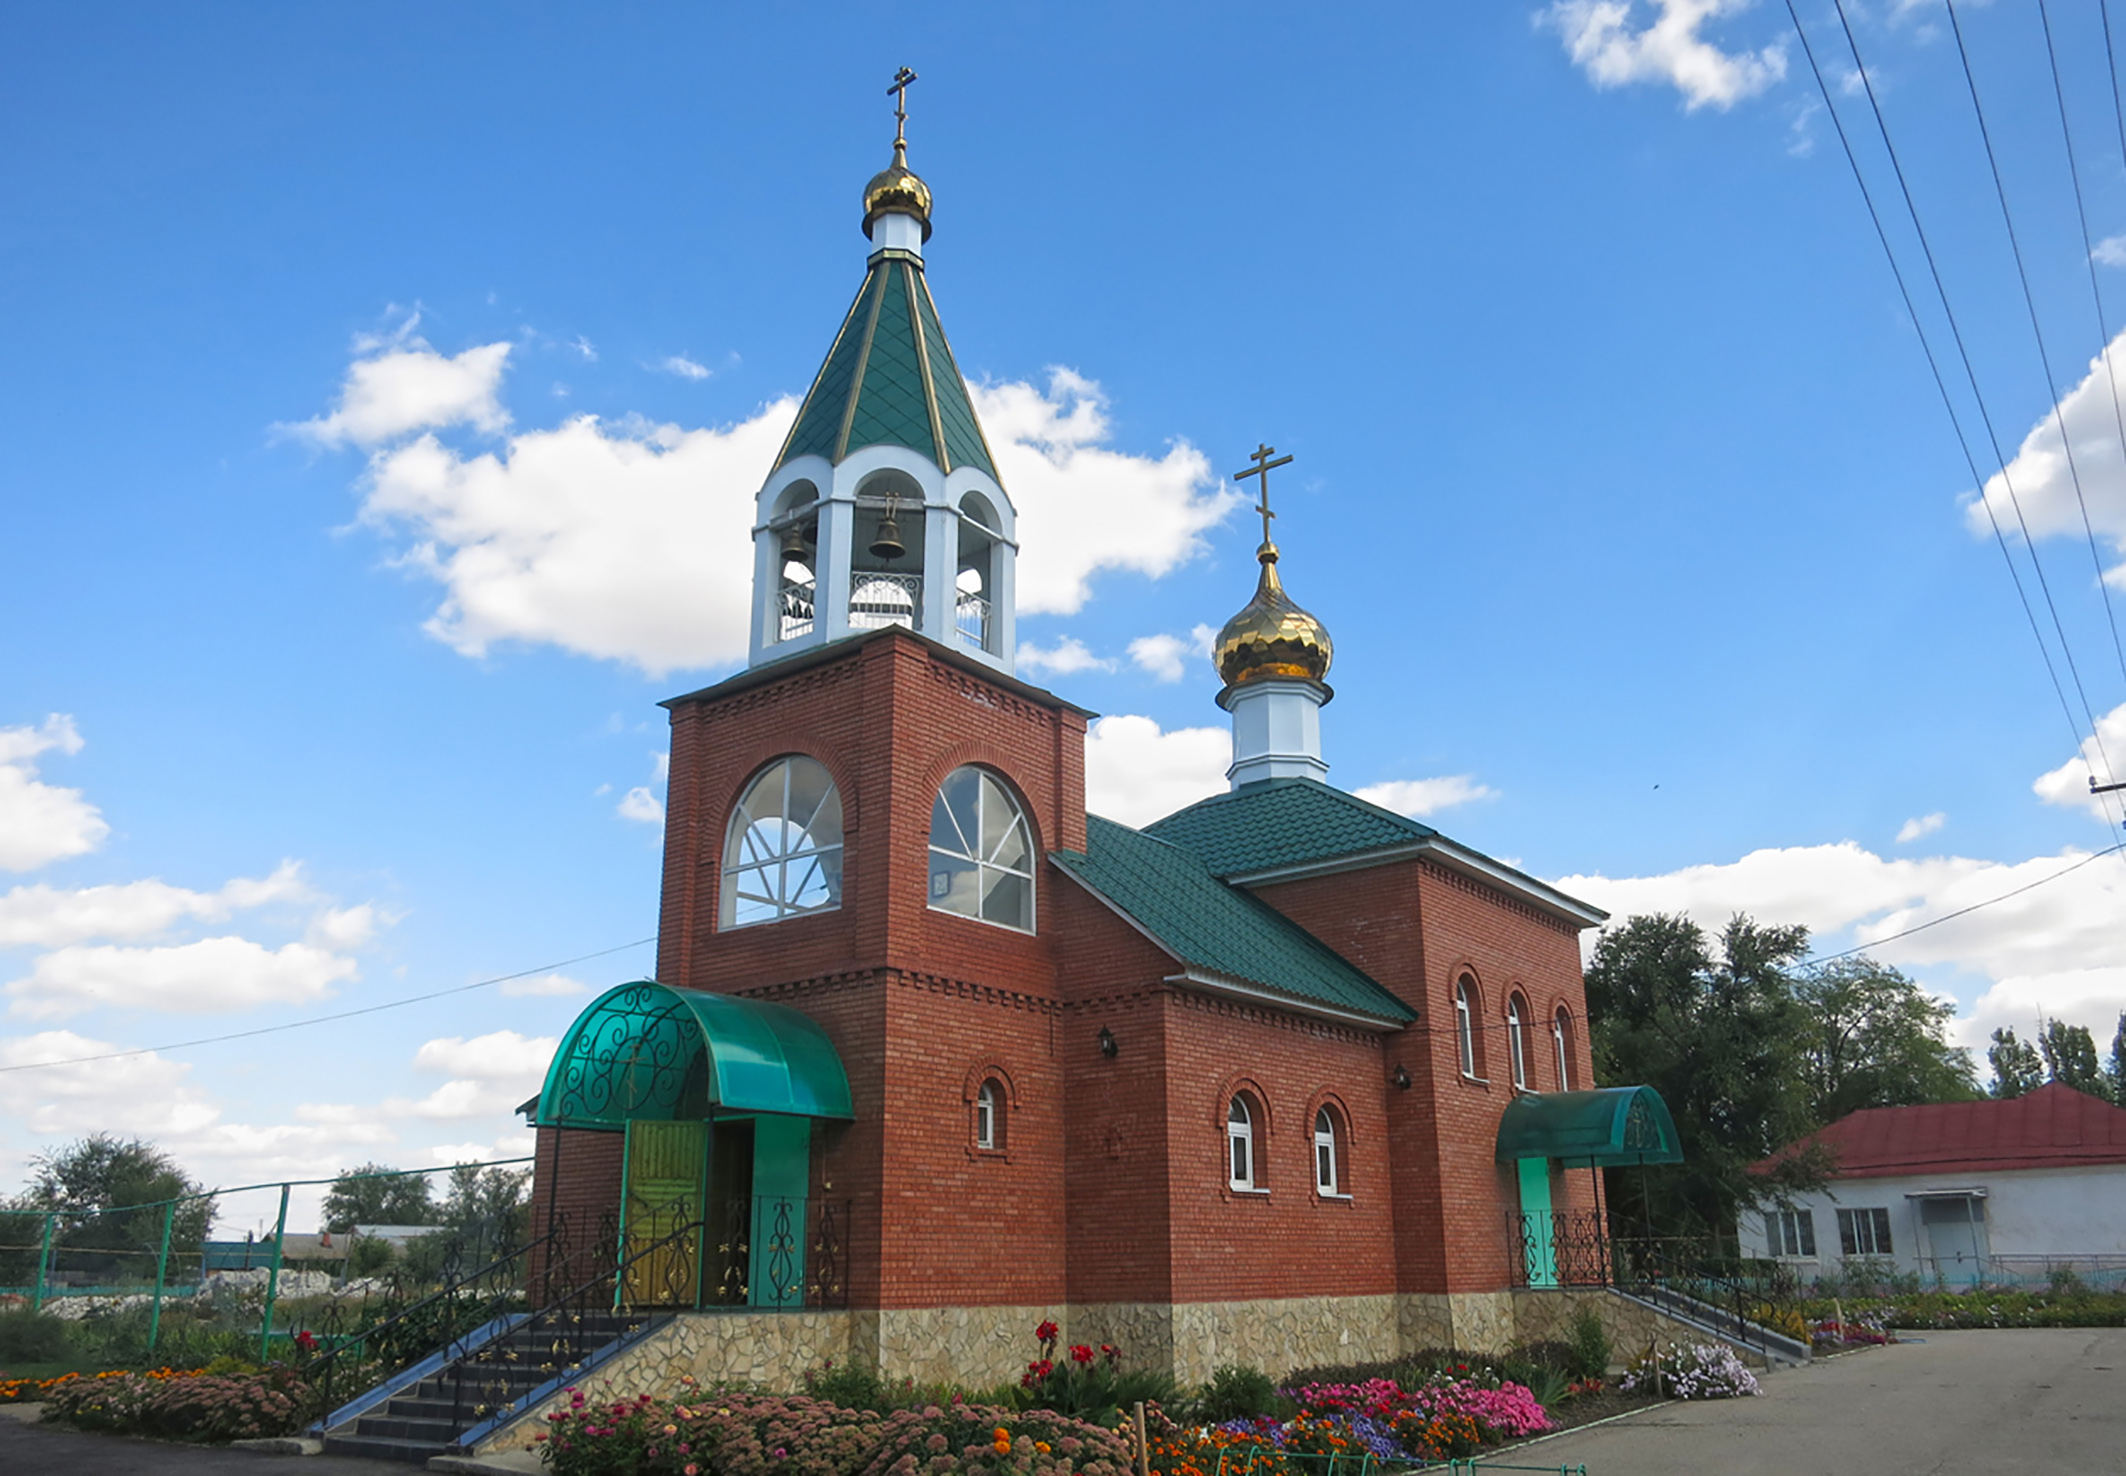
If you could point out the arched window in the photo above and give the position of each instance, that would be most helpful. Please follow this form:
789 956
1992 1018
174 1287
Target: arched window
1326 1166
989 1116
981 851
1517 1041
1465 1022
782 855
1561 1037
1240 1142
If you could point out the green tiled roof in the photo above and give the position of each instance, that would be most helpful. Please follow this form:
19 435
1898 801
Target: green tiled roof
1217 928
1284 822
890 380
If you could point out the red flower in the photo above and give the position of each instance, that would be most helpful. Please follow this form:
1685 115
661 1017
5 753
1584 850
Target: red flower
306 1340
1079 1353
1046 1332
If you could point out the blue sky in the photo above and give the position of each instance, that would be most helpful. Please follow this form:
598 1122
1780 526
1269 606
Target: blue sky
385 389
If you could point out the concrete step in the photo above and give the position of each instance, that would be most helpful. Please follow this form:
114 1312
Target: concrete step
381 1448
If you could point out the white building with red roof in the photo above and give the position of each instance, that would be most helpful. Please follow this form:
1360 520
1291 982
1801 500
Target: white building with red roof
1963 1192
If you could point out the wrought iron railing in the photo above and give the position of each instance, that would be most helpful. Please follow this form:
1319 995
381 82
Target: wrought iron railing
796 608
780 1252
879 600
971 613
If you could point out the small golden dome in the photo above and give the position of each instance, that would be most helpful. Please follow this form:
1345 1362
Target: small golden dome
897 188
1272 637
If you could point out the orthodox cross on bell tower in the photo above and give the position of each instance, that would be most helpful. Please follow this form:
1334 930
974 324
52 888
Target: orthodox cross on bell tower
1261 457
899 93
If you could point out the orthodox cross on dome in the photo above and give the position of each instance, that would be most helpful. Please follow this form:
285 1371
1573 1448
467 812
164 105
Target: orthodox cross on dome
1261 457
899 92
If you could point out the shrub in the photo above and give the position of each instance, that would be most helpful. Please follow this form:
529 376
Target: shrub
1591 1350
1236 1392
1087 1383
186 1406
33 1337
1700 1371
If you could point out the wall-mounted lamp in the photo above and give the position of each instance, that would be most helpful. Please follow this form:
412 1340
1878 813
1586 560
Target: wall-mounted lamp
1108 1048
1401 1077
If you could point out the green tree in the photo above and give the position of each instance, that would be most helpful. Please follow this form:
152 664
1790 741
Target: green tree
1874 1038
2018 1070
377 1194
2070 1058
108 1197
2116 1067
1719 1036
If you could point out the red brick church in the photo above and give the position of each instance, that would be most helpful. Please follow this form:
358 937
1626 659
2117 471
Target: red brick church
932 1054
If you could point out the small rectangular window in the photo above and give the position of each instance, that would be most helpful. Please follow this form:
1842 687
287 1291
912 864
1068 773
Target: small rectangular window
1790 1232
1864 1232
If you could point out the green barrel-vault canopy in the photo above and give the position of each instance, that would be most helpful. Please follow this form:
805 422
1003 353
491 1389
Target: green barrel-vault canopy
649 1051
1606 1128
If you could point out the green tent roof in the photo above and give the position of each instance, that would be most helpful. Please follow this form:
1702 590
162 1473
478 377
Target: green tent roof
1219 929
1284 822
1606 1128
649 1051
890 379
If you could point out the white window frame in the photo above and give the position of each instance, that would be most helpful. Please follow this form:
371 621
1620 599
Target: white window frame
1240 1158
986 1110
984 867
1865 1232
1516 1043
1465 1028
784 874
1328 1164
1790 1234
1558 1036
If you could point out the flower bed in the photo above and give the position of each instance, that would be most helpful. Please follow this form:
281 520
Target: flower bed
747 1434
1980 1309
1700 1371
195 1405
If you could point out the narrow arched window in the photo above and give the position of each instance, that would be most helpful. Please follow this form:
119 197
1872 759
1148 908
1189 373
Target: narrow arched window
782 852
981 851
1325 1156
1465 1024
1517 1041
1240 1142
1561 1037
988 1117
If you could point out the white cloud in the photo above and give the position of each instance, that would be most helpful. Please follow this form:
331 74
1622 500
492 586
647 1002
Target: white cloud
685 367
631 542
49 917
147 1093
586 348
409 387
345 927
489 1074
2068 785
544 985
208 976
1418 798
1084 507
1920 825
1165 656
2111 251
41 823
2040 477
1135 773
2053 949
642 805
1067 655
1606 42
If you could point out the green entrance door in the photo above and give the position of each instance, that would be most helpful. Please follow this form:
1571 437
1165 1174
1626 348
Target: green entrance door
1537 1226
662 1194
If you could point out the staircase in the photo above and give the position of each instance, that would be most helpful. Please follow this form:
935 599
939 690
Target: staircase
1775 1348
426 1410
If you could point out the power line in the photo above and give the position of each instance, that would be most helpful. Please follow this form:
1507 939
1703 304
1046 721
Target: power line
2044 359
375 1009
1974 907
2103 329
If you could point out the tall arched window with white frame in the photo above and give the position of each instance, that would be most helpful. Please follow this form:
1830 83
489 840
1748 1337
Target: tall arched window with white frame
1561 1037
1465 1024
981 851
1327 1168
782 851
988 1117
1517 1041
1240 1143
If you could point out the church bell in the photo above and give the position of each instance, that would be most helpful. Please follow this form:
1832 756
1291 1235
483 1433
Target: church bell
888 546
793 547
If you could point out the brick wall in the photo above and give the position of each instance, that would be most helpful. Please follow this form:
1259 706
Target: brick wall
575 1197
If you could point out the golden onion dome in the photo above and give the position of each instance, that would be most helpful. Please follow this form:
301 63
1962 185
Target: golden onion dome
1271 637
897 188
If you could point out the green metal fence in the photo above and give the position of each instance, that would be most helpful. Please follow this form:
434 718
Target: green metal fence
114 1263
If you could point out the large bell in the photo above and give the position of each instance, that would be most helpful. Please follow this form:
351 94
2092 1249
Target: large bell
888 546
793 546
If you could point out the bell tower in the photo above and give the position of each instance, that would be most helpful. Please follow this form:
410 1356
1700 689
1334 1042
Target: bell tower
884 506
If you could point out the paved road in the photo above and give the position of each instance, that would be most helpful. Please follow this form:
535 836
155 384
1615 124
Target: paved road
47 1450
2051 1402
